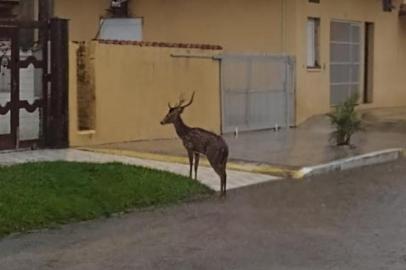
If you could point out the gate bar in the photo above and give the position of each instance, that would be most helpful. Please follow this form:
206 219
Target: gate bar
57 131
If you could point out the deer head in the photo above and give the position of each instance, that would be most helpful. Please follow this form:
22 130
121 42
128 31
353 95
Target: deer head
175 112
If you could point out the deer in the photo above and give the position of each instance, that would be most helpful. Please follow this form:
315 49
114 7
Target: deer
198 142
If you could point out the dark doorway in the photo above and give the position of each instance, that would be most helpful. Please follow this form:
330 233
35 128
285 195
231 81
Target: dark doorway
369 62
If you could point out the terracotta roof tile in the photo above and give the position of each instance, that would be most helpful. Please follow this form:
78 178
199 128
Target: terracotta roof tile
162 44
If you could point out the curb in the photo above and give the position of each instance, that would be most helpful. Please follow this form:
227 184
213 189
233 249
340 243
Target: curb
236 166
369 159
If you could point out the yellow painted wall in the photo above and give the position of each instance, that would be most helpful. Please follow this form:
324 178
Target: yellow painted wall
83 15
238 25
133 86
271 26
313 89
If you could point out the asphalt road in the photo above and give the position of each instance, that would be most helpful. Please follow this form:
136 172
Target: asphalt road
355 220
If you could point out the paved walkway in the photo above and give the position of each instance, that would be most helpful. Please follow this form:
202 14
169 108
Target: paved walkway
206 175
307 145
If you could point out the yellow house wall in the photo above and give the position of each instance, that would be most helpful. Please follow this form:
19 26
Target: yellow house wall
133 86
84 16
238 25
272 26
389 80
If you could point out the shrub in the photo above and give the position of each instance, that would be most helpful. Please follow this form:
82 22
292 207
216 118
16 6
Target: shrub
346 121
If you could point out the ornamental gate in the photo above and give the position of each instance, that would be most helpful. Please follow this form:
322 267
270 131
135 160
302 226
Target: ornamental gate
33 103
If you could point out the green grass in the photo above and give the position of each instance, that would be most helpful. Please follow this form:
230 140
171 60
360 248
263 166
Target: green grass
41 195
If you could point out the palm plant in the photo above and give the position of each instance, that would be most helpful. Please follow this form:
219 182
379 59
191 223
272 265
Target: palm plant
346 121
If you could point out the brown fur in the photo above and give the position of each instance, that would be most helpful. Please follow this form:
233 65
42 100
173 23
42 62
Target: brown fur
198 141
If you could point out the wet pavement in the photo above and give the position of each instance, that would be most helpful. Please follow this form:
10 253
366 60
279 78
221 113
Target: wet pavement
354 220
307 145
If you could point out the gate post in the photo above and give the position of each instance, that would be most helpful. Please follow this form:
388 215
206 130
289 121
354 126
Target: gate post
57 131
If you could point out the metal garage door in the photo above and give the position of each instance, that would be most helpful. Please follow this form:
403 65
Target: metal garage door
257 91
345 60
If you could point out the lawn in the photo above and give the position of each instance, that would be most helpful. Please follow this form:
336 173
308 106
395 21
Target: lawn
41 195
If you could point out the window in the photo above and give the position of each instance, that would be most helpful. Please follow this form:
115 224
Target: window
313 43
388 5
346 60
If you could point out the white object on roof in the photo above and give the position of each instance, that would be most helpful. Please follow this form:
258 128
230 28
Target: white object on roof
121 29
117 3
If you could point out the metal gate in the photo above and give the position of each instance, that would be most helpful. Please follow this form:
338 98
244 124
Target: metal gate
28 116
258 91
345 60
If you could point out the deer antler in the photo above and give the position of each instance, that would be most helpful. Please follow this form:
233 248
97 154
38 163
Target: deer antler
190 102
181 100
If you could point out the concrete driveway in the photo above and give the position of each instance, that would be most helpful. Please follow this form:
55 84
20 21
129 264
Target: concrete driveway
354 220
307 145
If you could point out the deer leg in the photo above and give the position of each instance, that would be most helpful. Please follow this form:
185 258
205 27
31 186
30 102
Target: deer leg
221 171
197 158
223 183
190 153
